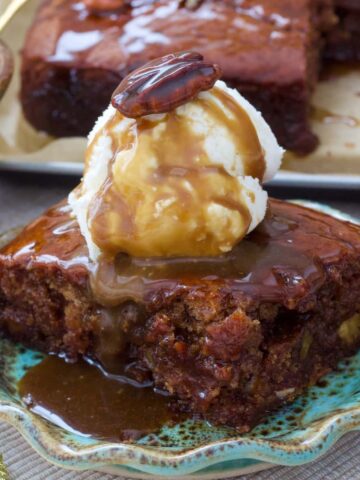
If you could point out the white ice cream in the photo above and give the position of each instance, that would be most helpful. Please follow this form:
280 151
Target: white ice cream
192 208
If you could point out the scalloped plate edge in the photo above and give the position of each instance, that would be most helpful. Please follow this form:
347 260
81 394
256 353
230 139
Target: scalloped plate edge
218 475
120 456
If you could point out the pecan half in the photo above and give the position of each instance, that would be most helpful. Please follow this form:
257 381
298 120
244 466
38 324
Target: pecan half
164 84
6 67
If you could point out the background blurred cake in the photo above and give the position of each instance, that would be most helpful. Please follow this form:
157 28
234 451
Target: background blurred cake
343 41
76 53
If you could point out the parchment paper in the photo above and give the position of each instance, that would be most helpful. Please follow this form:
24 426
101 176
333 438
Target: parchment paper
18 140
339 150
338 100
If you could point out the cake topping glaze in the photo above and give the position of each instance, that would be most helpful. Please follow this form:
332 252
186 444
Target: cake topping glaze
281 261
148 29
164 84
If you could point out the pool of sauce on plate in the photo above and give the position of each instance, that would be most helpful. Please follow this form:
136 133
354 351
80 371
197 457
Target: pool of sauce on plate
81 397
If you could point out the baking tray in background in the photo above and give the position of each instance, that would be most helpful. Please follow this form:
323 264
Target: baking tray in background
282 179
335 118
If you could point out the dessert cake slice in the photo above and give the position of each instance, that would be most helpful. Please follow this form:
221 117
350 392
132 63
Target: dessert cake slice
343 42
229 339
76 53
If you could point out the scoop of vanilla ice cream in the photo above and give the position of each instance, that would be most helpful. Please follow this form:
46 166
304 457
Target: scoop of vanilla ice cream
184 183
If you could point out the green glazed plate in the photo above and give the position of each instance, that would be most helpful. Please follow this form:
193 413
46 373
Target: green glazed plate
296 434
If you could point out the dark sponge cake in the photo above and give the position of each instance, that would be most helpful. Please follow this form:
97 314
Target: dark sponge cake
343 41
73 59
281 310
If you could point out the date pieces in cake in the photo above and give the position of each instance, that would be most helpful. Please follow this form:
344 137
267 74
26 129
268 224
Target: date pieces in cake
105 6
164 84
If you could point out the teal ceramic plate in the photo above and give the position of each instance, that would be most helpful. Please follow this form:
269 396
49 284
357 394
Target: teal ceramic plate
297 434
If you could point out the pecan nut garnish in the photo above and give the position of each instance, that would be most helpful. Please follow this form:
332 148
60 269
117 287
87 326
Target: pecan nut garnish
164 84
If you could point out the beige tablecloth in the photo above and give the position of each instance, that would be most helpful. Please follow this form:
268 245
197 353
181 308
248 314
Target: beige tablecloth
22 198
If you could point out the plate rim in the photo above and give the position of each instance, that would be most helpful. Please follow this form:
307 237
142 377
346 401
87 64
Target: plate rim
284 178
35 430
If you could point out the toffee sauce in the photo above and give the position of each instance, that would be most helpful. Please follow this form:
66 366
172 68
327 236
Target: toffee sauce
281 261
82 398
290 240
121 218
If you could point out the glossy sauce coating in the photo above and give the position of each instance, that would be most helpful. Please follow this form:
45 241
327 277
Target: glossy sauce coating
282 261
53 238
164 194
82 398
227 32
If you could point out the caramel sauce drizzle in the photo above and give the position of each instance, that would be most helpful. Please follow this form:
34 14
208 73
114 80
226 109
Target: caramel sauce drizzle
121 216
243 132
